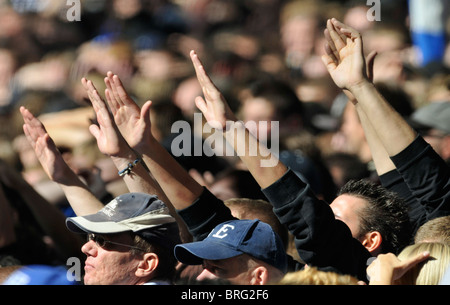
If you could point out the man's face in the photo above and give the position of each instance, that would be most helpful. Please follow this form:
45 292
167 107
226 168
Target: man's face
255 110
111 264
236 270
346 208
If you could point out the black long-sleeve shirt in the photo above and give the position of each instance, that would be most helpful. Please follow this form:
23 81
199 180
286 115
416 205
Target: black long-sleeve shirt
321 240
422 179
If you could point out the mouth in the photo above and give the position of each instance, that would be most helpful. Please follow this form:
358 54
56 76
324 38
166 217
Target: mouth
88 266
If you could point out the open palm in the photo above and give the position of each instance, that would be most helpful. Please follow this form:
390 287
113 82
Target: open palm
132 121
109 139
213 106
46 151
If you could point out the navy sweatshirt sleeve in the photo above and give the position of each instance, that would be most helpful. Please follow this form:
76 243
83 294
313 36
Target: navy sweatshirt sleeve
428 178
393 181
321 240
205 214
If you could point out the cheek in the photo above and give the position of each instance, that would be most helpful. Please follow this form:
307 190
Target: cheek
112 268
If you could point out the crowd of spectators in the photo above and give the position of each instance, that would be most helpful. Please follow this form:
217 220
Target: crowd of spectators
264 55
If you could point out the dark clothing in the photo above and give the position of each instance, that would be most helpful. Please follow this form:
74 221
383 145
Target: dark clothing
321 240
205 214
422 179
209 211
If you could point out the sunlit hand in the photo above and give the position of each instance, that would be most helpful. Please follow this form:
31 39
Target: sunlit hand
344 57
387 268
45 148
370 60
213 106
109 139
133 122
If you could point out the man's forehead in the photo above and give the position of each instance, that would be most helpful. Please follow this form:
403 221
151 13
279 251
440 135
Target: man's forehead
348 201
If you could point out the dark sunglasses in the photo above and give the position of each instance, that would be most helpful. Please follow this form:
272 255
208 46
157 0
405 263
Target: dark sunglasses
101 242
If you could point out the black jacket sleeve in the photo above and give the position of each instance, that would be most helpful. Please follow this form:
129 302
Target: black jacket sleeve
394 182
428 178
205 214
321 240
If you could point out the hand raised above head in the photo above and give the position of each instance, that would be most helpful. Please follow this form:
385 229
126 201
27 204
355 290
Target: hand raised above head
109 138
133 122
44 147
344 57
213 106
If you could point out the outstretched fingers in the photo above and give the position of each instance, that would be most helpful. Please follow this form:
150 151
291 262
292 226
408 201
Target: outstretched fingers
98 103
202 77
335 39
119 97
27 116
113 103
114 98
346 32
418 258
95 98
210 90
43 145
33 128
329 58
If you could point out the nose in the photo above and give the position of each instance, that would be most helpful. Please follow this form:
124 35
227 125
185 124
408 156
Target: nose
206 275
89 248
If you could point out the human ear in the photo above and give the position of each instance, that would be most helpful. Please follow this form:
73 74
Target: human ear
147 264
372 242
260 276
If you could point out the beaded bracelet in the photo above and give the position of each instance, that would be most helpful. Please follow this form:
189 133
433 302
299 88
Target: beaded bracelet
130 166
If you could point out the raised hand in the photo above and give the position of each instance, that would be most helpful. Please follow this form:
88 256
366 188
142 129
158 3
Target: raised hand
109 138
132 121
77 193
370 60
344 57
214 106
46 151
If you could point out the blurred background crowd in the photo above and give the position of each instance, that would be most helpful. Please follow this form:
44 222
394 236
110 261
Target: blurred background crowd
264 55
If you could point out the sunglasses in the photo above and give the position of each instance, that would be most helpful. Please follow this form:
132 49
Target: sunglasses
102 242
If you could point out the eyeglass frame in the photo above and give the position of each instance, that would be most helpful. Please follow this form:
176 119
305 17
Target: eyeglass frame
95 237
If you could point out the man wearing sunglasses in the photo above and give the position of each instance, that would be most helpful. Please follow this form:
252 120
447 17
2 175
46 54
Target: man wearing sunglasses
129 242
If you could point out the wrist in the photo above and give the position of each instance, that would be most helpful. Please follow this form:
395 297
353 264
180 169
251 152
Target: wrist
360 86
145 146
129 167
123 161
234 130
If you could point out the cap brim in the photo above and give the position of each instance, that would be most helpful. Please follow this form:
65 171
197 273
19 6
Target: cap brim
83 225
101 224
194 253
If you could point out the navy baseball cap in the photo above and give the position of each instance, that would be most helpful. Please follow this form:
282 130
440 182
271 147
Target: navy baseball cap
233 238
141 213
